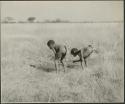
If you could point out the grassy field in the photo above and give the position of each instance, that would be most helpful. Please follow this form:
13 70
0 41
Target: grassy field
23 45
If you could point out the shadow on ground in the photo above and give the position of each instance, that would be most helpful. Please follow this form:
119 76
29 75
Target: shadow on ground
44 68
51 68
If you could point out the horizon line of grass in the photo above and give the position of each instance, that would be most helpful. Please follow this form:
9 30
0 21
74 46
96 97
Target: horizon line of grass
65 22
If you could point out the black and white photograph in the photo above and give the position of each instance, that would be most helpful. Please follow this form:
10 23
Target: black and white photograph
62 51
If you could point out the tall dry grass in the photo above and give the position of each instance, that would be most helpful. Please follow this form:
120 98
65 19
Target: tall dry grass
27 68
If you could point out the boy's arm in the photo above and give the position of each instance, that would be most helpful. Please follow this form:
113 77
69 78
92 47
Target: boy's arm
53 50
81 58
57 55
81 55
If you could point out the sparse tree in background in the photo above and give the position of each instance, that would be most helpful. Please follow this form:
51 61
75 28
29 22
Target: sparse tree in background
8 20
58 20
31 19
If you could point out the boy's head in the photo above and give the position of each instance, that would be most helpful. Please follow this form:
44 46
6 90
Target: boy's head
74 51
51 44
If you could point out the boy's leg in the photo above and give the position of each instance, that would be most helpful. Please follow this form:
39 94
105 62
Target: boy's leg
82 64
85 62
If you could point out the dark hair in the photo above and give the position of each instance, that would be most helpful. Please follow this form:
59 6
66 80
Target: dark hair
90 45
74 50
50 42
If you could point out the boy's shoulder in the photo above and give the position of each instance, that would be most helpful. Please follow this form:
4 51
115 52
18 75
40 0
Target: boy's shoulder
59 45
